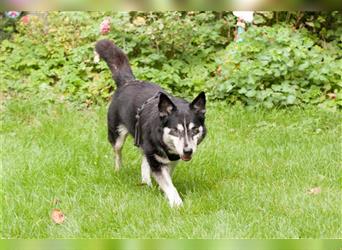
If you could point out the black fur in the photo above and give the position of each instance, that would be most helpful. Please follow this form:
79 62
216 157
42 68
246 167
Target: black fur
116 60
131 94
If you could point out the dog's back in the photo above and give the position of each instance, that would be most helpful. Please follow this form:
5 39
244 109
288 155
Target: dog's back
130 93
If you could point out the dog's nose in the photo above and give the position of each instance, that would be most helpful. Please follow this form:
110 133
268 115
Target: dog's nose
187 151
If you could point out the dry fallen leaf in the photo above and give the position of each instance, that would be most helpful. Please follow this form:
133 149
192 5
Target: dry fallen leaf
315 190
219 70
57 216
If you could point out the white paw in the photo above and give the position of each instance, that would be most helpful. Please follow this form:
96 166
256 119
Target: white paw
117 165
117 168
175 200
147 181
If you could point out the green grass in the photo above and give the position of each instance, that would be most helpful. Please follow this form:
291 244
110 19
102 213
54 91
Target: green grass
249 178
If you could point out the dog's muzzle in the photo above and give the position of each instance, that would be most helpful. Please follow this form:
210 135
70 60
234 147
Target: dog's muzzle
187 153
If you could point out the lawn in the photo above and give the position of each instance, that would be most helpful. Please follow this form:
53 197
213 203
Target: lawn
251 177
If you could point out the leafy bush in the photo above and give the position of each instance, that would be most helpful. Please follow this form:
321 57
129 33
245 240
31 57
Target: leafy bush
325 25
175 49
7 26
56 52
279 66
185 52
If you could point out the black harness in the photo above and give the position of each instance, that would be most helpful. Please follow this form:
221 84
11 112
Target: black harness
137 117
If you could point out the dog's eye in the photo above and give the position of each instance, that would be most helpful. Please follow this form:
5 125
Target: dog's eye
195 130
174 131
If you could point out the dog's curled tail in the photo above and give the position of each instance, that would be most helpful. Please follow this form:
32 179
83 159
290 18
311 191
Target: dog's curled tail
116 60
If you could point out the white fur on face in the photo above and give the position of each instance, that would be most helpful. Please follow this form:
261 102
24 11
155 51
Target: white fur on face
194 139
180 127
176 144
198 136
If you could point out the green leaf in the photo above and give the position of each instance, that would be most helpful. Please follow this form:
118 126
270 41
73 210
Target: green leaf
250 93
291 99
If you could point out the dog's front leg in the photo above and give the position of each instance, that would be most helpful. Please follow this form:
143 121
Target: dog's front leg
163 178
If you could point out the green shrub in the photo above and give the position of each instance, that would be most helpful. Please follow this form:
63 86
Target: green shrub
184 52
175 49
278 66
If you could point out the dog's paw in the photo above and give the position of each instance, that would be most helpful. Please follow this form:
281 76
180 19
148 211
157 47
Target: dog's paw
117 165
147 182
175 201
116 168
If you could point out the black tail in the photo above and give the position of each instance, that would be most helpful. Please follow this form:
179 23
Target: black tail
116 60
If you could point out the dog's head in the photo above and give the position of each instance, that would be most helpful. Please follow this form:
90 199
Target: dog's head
182 124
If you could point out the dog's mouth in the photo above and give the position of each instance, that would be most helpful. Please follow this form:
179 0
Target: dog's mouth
186 157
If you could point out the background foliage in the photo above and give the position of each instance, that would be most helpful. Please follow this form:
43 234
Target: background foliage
286 58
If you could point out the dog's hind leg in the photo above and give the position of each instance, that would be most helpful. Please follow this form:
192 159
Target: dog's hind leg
117 139
145 172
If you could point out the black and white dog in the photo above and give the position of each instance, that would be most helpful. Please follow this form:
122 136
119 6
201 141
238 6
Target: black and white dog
166 128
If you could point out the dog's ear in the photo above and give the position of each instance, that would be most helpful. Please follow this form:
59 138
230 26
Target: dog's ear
198 104
165 105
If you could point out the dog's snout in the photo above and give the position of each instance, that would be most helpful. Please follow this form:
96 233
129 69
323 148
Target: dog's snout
187 151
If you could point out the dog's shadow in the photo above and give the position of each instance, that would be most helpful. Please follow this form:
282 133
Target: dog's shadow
193 184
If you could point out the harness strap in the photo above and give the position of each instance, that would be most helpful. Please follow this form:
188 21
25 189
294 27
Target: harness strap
137 131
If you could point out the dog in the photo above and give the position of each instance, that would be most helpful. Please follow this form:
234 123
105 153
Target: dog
165 128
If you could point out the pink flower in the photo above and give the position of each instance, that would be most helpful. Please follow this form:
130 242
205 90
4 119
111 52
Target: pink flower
105 26
25 20
12 14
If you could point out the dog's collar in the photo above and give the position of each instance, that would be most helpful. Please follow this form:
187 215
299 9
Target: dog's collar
164 151
172 157
137 117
